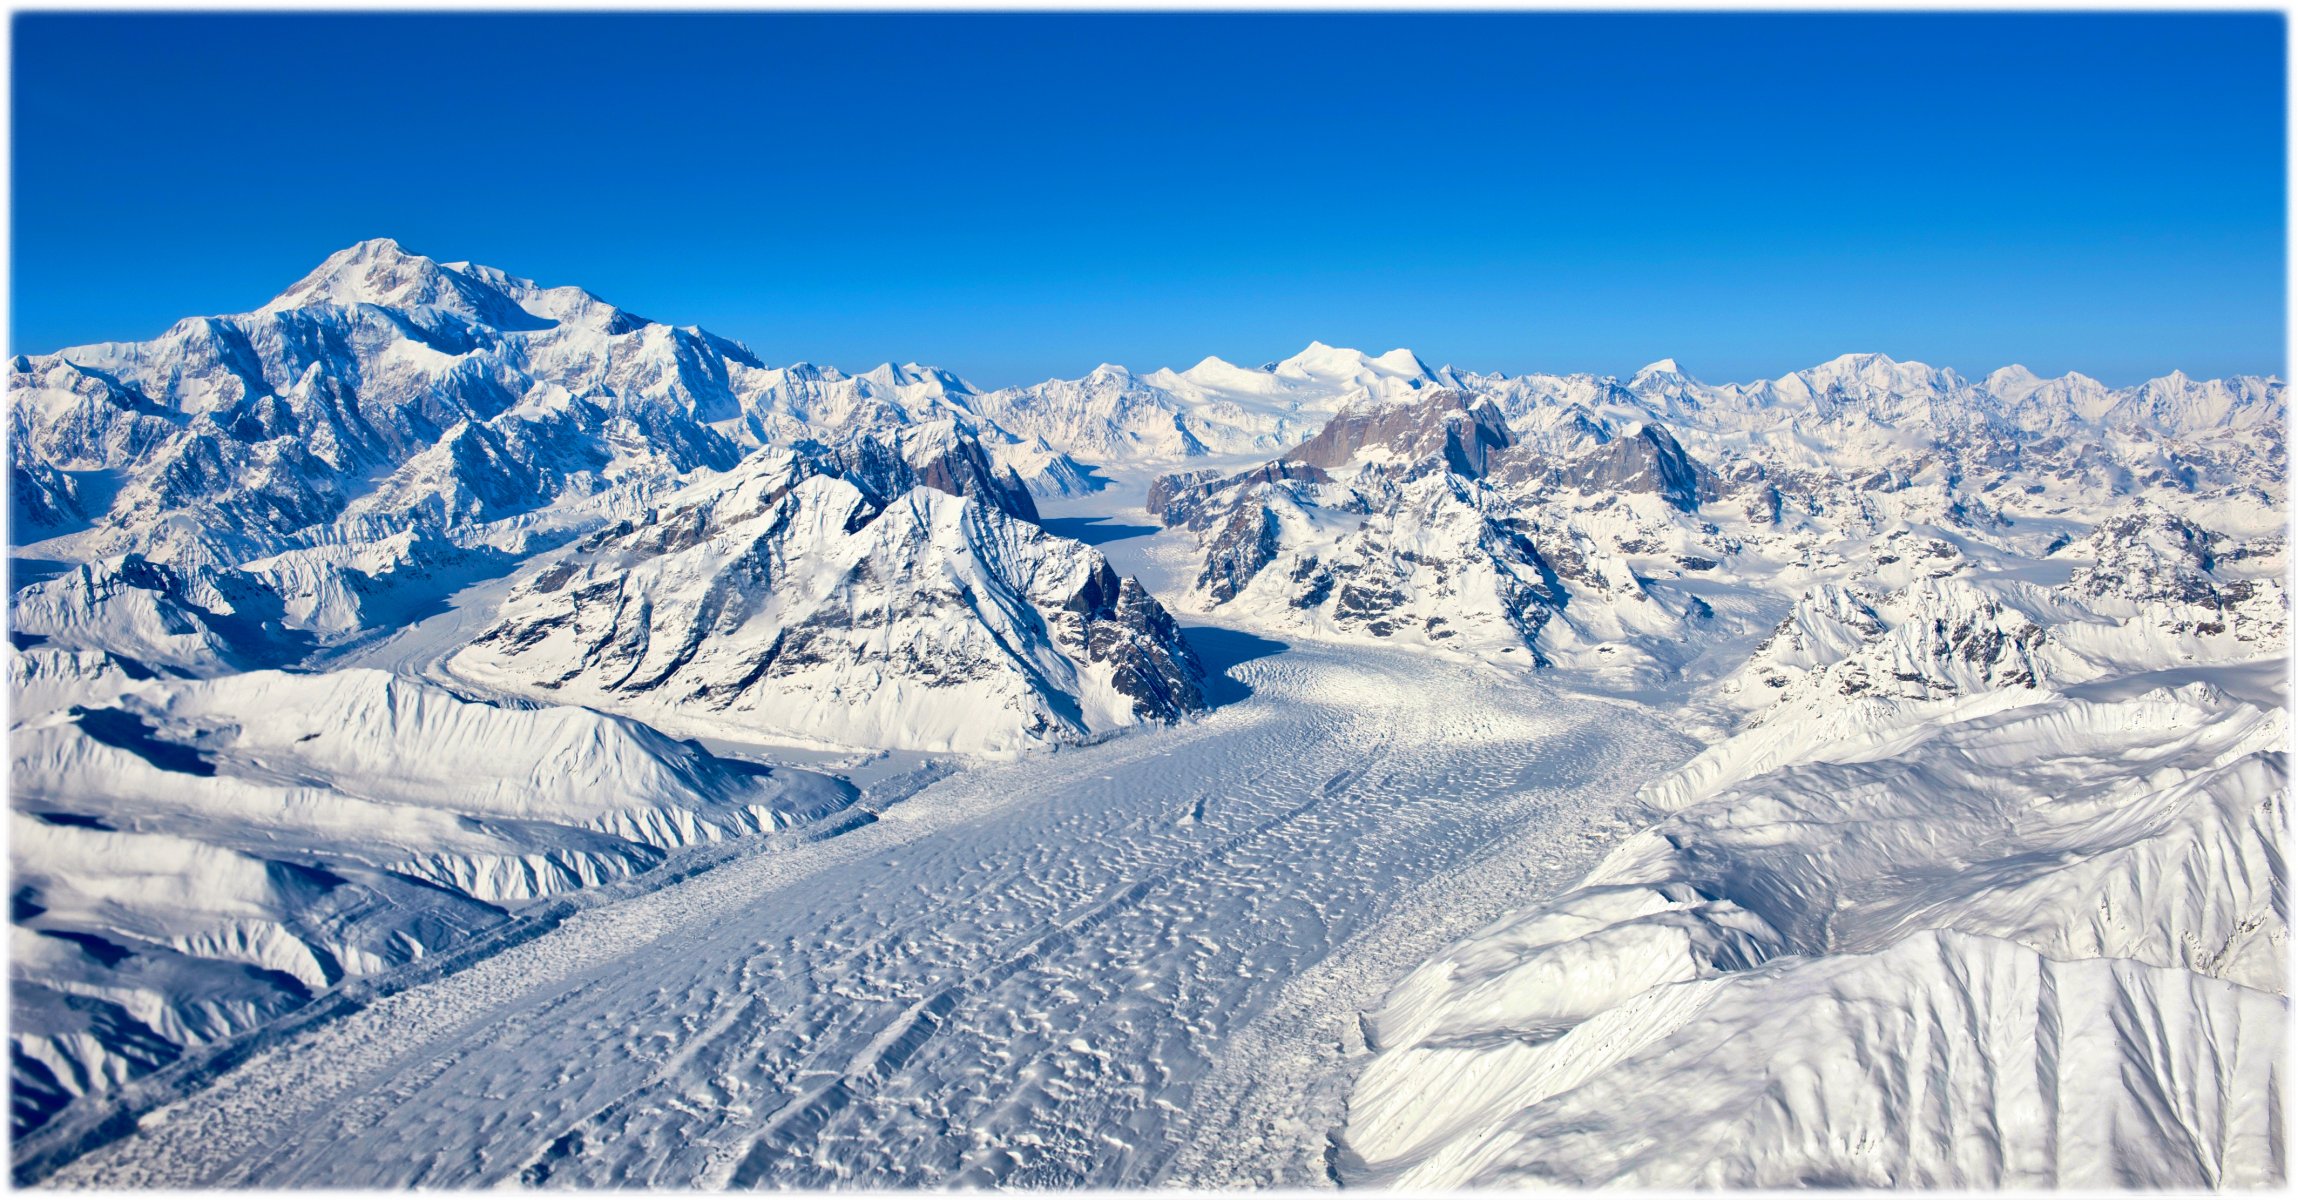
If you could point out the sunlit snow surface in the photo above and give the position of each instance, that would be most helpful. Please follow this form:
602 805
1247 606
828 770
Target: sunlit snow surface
1775 957
1129 963
1871 776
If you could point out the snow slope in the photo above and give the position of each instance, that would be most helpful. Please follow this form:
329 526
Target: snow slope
1979 879
807 611
1943 1061
1071 969
1840 967
192 858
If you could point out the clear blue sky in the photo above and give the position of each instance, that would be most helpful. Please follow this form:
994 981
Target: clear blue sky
1019 196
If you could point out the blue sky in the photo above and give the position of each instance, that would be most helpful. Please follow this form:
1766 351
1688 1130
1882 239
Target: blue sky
1020 196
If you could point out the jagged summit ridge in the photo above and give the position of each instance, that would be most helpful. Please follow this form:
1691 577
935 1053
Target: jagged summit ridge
1931 627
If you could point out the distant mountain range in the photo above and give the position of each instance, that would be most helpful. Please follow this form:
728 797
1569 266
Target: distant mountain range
345 628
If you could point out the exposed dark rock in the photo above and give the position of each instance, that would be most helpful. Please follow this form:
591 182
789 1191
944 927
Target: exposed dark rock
1247 542
1125 626
1197 499
1646 462
1450 430
880 467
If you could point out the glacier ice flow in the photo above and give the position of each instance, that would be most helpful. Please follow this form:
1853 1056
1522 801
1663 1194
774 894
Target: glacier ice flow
464 732
1031 972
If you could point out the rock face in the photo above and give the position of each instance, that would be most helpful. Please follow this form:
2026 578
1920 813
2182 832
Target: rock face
1648 461
936 455
1980 793
392 429
389 387
1992 767
1449 430
1197 499
1423 520
786 604
1860 472
205 842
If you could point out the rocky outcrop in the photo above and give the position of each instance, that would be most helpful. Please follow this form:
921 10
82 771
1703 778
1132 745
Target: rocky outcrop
785 603
1197 499
1246 542
888 462
1450 430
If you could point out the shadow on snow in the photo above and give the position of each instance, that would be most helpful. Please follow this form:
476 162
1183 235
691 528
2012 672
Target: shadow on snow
1093 531
1222 649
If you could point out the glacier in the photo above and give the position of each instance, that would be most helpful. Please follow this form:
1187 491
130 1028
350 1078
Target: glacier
466 733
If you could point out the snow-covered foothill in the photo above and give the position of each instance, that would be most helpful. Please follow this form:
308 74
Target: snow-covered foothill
1839 955
193 857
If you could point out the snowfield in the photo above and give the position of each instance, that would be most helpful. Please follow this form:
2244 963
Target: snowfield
196 857
1850 968
465 733
1054 956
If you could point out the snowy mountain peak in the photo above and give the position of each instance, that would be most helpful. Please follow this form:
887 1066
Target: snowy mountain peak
932 380
379 271
2011 376
1874 383
603 535
1874 370
1858 362
377 249
1320 361
1401 361
1317 358
1215 373
374 271
2014 382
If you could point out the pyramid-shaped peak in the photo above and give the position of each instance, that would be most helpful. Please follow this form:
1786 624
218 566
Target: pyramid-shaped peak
373 248
381 272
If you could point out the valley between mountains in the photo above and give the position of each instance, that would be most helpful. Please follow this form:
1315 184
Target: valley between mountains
465 733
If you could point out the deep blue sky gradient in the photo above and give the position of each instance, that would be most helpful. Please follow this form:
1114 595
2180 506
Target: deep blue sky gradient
1020 196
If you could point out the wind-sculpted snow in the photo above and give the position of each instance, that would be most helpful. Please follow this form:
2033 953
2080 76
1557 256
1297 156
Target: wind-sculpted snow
1076 968
1944 1061
1994 814
287 487
1770 956
1947 730
1880 767
193 858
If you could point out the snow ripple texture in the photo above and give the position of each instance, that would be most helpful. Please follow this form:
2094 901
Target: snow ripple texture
1050 972
1870 776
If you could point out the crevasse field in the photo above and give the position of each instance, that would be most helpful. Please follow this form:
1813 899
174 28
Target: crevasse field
465 733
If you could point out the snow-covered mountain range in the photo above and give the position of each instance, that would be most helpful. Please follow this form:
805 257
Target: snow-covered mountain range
346 630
